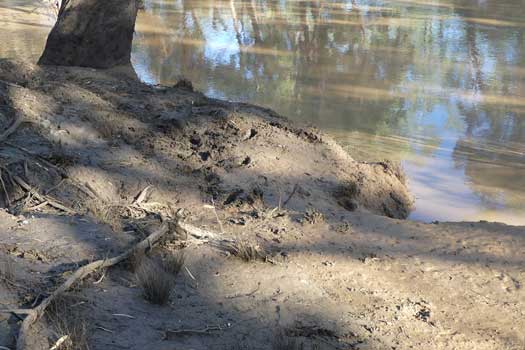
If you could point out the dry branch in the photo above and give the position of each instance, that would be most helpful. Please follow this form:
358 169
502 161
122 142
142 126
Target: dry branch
42 198
39 159
201 234
34 314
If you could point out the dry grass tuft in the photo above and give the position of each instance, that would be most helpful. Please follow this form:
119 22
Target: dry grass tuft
246 251
66 321
173 262
155 282
8 270
283 342
136 259
313 216
62 159
183 83
109 214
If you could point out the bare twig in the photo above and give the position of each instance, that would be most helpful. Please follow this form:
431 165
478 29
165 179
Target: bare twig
104 329
123 315
38 206
176 332
49 190
59 342
10 84
245 294
39 159
216 215
101 278
291 195
189 273
36 156
5 190
142 195
11 129
8 281
200 233
43 198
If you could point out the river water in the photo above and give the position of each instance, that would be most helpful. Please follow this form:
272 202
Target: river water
437 85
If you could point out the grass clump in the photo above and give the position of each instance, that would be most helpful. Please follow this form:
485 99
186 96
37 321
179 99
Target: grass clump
283 342
7 270
173 262
68 324
246 251
109 214
155 282
136 259
313 216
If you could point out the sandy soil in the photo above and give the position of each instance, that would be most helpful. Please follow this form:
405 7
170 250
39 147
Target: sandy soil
343 269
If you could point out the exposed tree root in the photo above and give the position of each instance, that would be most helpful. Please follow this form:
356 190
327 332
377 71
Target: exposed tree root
23 342
166 228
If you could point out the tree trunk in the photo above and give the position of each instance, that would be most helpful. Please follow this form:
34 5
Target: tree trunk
92 33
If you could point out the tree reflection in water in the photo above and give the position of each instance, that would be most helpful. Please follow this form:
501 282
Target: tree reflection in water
436 84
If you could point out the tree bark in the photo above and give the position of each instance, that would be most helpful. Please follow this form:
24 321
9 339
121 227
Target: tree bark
91 33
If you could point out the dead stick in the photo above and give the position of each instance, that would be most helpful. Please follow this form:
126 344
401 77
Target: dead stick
41 197
11 84
200 233
291 195
11 129
61 171
5 190
142 195
38 206
176 332
34 314
40 158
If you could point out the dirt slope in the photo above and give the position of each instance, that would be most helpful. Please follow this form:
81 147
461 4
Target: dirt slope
342 272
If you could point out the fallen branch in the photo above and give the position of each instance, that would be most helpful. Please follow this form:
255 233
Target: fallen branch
200 233
38 206
39 159
34 314
41 197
